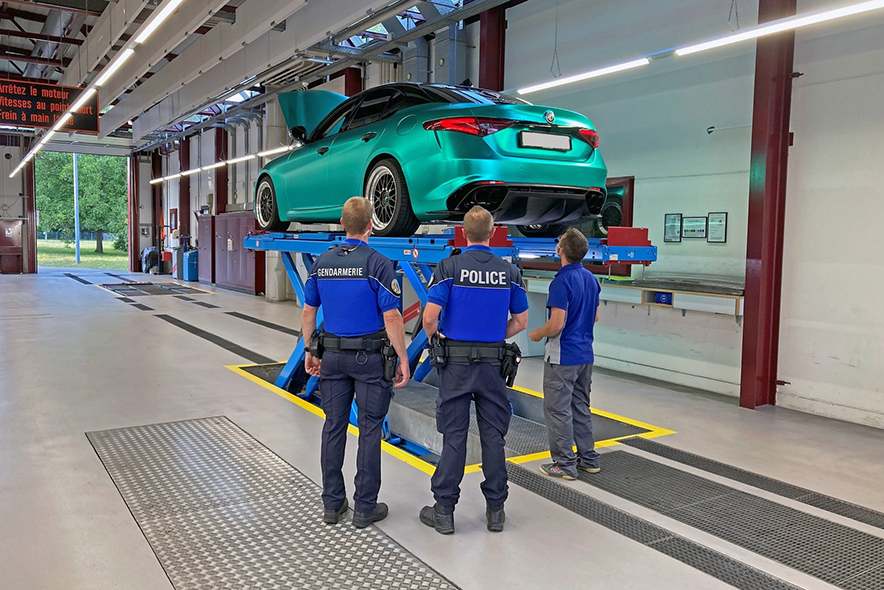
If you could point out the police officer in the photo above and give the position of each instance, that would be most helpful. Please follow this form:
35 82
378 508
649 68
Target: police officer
360 296
482 301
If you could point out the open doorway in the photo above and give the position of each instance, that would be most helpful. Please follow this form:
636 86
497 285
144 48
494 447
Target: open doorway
102 203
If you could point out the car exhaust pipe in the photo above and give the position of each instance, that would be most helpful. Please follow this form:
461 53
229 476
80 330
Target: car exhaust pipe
595 201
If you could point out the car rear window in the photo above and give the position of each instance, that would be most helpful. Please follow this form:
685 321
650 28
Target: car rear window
462 94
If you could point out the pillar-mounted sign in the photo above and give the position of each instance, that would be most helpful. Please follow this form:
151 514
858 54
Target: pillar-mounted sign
32 104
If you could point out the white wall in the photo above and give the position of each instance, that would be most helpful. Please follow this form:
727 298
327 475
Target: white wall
12 203
652 123
832 329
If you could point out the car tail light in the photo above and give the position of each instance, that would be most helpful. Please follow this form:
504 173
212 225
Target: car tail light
480 126
590 136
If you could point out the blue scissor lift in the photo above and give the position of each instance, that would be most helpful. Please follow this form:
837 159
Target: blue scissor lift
414 258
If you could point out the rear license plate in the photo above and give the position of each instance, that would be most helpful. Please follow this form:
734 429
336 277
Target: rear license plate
545 141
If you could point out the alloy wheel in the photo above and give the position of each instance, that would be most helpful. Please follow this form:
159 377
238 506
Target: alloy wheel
264 204
383 192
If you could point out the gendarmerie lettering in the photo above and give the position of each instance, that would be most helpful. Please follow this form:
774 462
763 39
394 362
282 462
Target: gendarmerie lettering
341 272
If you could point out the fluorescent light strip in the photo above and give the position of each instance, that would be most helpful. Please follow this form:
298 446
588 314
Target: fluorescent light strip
213 166
190 172
157 21
242 159
172 177
273 152
784 24
86 95
157 180
115 65
587 75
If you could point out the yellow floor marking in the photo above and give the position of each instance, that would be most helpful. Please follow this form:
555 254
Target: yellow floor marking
429 468
194 288
114 293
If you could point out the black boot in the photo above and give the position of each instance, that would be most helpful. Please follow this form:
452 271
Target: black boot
333 516
495 517
363 519
439 517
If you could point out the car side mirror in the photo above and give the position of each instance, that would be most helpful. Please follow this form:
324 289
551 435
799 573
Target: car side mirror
298 135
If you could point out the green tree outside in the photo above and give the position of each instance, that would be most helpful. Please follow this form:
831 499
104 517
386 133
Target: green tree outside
103 194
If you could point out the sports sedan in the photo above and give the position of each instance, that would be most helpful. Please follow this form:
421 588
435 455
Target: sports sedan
429 152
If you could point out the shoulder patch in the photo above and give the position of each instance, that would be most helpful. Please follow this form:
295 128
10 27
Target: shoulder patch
394 286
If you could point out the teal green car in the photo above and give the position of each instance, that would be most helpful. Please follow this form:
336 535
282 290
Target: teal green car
428 152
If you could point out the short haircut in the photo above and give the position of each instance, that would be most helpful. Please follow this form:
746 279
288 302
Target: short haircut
478 225
356 216
574 245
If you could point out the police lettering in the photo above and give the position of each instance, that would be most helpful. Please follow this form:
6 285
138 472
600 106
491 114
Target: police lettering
482 277
340 272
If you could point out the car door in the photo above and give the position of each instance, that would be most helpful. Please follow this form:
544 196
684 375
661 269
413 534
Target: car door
354 145
307 169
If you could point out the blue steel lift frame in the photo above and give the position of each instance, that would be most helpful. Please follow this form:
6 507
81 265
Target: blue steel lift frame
414 258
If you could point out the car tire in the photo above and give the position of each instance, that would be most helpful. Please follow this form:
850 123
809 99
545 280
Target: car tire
266 209
386 189
543 231
610 215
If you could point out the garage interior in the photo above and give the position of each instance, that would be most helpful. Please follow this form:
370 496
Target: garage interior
154 427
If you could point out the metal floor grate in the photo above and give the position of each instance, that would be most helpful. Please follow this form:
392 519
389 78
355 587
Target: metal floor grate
799 494
221 511
709 561
146 289
827 550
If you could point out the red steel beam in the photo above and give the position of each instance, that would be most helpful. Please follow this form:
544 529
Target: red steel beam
767 205
184 213
40 37
221 172
54 7
8 76
352 81
134 225
156 170
492 48
9 54
12 14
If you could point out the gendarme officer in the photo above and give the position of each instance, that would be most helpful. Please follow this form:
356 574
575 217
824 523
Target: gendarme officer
358 290
482 301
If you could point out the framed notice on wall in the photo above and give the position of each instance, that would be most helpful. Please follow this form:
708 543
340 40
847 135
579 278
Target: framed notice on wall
717 232
672 227
694 227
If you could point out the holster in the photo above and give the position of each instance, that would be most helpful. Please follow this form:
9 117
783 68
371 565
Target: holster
509 365
438 353
390 358
316 348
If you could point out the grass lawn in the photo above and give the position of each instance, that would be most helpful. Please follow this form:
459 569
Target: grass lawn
57 253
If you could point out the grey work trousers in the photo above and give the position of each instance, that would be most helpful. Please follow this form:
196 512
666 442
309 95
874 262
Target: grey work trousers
568 420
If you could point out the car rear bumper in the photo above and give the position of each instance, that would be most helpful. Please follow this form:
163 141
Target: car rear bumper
527 204
519 191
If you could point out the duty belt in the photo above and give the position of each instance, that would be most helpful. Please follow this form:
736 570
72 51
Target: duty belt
461 350
368 343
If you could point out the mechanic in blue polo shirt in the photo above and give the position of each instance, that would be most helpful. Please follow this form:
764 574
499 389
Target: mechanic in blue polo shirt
359 293
481 300
567 370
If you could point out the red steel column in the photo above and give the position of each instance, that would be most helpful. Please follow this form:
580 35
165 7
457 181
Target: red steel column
352 81
492 48
134 224
156 192
184 213
30 180
221 172
767 204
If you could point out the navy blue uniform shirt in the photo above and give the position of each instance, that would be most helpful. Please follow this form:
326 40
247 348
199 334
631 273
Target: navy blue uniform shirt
355 285
576 290
477 291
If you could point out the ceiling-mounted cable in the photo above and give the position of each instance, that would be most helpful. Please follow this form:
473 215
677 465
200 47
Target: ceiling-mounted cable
555 68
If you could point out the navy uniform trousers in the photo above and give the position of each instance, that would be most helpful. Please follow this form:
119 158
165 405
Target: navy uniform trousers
343 375
459 384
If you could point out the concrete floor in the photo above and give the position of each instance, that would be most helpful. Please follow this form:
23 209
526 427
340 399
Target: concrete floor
74 359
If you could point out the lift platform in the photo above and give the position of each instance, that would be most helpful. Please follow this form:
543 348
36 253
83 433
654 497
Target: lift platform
414 258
